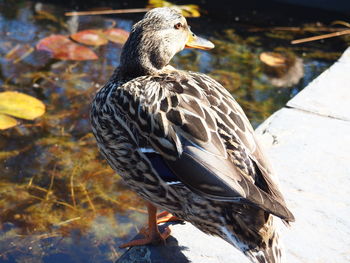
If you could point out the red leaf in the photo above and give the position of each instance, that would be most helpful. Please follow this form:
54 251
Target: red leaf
117 35
61 47
93 37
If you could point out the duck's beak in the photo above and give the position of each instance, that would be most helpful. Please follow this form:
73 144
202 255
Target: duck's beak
198 42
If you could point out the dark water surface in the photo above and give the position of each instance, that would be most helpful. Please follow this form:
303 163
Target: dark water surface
59 201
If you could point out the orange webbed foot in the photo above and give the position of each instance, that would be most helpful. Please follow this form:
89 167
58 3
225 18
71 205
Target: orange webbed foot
151 237
152 234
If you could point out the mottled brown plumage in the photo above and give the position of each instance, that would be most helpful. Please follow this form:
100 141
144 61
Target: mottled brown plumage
182 142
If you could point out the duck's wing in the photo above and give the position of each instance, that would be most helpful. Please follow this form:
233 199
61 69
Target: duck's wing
203 137
239 136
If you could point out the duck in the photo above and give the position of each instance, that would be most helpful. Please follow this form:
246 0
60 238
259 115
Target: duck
184 145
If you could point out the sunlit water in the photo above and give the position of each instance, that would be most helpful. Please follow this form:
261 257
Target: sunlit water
59 201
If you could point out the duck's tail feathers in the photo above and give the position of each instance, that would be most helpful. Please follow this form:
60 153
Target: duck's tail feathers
271 254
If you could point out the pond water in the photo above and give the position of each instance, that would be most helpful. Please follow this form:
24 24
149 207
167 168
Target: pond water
59 200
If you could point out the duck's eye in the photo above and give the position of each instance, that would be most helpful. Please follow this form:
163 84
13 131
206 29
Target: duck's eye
178 26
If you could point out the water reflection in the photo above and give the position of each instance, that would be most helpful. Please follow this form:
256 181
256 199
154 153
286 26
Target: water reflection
59 201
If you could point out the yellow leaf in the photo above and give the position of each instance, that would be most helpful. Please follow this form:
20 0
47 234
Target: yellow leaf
186 10
273 59
190 10
7 122
20 105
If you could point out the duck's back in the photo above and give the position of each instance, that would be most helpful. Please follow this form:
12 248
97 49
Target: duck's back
191 121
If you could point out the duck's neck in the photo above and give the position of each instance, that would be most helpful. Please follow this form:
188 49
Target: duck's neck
142 55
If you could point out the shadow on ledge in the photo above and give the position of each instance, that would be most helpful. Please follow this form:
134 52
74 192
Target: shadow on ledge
171 252
186 244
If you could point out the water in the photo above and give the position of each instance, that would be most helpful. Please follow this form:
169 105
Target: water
59 200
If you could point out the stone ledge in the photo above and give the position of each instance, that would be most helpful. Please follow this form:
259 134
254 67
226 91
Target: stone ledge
329 93
310 153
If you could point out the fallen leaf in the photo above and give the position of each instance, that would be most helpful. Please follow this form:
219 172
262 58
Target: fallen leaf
20 105
186 10
117 35
61 47
273 59
189 10
93 37
7 122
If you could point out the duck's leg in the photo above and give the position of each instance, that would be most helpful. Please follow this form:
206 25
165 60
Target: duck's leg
152 234
165 216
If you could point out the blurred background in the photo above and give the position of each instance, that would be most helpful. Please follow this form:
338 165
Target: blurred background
59 200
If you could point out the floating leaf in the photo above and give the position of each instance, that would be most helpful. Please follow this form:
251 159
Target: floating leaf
190 10
7 122
186 10
273 59
117 35
20 105
61 47
93 37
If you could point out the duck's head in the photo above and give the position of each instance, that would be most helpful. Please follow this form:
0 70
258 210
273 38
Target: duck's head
154 40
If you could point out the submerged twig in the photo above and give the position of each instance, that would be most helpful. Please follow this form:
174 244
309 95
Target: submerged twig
47 235
51 183
69 221
26 54
120 203
31 185
340 22
107 12
296 29
10 154
54 201
308 39
88 197
72 188
65 204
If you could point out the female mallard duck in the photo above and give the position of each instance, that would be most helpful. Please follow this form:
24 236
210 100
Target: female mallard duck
182 142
